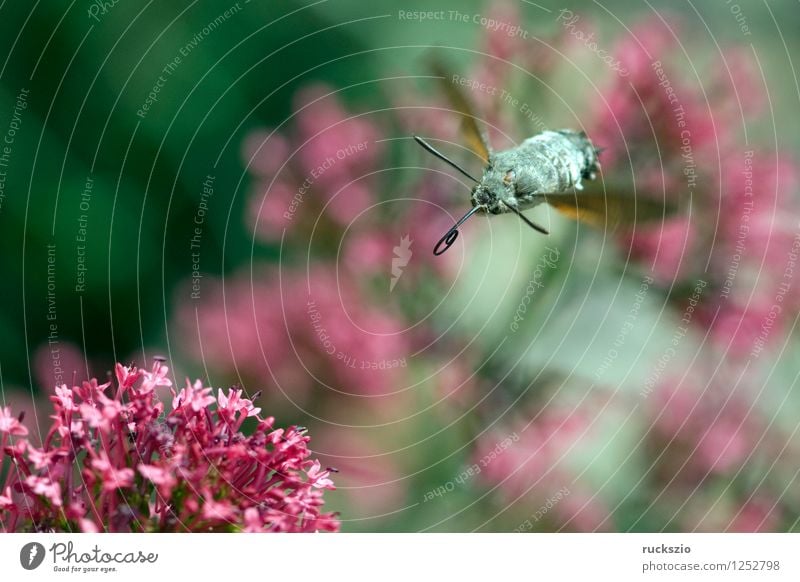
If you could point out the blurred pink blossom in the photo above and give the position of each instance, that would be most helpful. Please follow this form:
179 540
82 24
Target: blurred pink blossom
57 363
324 159
713 431
681 137
297 326
536 465
264 152
370 478
665 251
756 515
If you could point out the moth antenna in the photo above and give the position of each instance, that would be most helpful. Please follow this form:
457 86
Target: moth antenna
533 225
442 157
451 235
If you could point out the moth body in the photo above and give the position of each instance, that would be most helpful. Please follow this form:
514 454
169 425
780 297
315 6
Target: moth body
548 167
550 163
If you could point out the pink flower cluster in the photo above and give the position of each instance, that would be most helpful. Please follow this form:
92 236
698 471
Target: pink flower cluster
683 137
116 459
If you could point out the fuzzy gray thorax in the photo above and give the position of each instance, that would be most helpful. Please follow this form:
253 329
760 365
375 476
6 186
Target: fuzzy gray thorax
551 162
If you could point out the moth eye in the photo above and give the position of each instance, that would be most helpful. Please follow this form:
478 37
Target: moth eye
509 177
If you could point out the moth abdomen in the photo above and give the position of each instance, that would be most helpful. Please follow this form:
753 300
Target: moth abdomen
556 161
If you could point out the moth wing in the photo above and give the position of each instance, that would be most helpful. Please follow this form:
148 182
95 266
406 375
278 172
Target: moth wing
475 138
610 210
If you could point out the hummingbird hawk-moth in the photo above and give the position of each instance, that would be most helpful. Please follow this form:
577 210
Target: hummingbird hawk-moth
547 168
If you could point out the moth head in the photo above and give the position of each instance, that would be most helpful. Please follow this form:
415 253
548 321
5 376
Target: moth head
481 196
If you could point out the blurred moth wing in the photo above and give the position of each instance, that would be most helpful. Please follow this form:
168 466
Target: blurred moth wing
610 210
475 138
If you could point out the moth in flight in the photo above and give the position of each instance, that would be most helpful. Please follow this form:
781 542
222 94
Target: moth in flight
548 167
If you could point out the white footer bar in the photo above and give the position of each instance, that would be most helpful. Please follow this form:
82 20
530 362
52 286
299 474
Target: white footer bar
353 557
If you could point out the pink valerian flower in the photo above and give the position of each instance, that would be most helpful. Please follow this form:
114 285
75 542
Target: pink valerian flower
736 327
88 526
26 406
126 375
163 478
635 120
112 478
6 501
158 377
10 425
265 152
635 123
43 487
42 459
194 397
635 117
756 243
63 398
267 211
234 402
325 128
459 385
664 250
319 478
217 511
252 520
89 390
206 474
